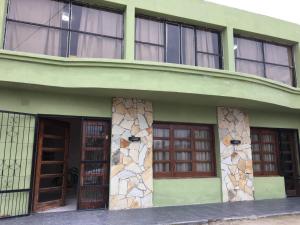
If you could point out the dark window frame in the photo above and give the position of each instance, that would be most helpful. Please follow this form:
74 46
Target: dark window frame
172 152
263 42
69 30
182 25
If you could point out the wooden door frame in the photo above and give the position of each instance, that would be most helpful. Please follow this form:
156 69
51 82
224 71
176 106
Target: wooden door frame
35 150
108 142
37 167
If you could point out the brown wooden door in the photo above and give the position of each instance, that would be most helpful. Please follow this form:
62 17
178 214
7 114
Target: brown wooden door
94 166
289 161
51 168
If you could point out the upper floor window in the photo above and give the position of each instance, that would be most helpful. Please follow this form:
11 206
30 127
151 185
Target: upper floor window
264 59
63 28
162 41
183 150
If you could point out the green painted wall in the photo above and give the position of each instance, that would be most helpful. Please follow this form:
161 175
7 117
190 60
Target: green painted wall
185 83
54 103
169 192
269 188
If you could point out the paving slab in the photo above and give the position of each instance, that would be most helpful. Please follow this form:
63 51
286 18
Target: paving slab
190 214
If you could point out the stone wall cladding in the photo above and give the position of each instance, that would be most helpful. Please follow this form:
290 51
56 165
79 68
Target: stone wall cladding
236 161
131 178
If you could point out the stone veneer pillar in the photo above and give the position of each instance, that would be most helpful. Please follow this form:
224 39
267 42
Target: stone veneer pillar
131 178
236 161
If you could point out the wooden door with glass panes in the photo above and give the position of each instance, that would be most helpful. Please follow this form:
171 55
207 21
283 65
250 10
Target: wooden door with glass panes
289 161
94 165
51 166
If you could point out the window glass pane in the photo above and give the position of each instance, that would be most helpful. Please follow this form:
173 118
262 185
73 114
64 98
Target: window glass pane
256 167
279 73
161 156
188 46
255 156
267 138
254 137
206 60
161 144
203 156
35 39
278 54
255 147
248 49
203 167
182 133
183 156
46 12
149 52
97 21
158 132
173 44
207 41
270 167
202 146
91 46
202 134
181 145
269 157
161 167
149 31
249 67
183 167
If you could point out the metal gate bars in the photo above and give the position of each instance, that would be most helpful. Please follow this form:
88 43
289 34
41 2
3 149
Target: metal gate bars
16 153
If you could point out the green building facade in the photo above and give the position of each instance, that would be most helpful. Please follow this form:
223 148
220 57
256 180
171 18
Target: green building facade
178 103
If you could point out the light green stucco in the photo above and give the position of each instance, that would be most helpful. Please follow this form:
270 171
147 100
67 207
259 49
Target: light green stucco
186 84
269 188
169 192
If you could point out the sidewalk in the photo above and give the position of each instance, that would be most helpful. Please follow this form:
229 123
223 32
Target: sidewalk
192 214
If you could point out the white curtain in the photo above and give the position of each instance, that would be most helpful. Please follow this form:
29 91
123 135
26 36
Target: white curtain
207 42
149 31
249 67
28 38
188 46
99 22
278 54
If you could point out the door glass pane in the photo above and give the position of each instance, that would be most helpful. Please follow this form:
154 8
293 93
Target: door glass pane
51 182
255 156
256 167
188 45
50 196
52 168
173 44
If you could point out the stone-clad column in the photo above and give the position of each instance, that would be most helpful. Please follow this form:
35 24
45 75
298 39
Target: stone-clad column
131 178
236 161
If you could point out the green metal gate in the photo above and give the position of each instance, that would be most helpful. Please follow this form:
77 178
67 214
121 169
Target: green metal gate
16 155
